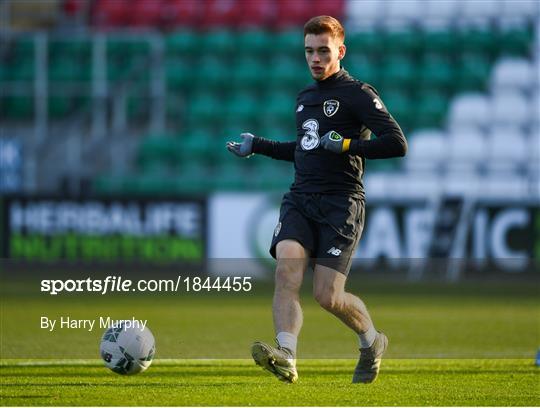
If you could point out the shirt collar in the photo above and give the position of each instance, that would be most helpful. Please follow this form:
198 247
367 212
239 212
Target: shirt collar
338 76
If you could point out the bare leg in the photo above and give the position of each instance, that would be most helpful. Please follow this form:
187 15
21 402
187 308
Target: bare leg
329 291
292 260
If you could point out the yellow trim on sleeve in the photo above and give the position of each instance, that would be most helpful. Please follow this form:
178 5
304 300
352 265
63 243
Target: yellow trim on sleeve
346 145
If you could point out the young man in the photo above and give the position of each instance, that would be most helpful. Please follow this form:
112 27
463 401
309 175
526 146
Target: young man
322 216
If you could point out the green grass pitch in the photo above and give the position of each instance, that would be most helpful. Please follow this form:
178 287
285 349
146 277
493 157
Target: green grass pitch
240 383
449 346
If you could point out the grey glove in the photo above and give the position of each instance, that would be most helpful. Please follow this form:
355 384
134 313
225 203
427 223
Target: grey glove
334 142
243 149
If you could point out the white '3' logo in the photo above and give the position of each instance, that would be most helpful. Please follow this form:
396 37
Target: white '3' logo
311 138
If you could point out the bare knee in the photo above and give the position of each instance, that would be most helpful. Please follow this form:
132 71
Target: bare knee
328 298
288 277
292 262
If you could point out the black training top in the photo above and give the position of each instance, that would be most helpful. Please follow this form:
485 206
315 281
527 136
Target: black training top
354 110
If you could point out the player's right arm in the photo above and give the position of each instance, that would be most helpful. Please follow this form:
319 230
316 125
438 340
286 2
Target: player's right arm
257 145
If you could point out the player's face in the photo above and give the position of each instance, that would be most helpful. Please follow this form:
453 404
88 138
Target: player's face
323 53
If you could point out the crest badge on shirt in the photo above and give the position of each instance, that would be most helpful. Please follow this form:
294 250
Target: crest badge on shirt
330 107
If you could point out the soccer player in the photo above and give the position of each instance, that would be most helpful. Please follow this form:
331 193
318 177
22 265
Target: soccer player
322 216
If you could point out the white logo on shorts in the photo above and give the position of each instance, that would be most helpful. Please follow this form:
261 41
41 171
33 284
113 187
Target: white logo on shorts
277 229
334 251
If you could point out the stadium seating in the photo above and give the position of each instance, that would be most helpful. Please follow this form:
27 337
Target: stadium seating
459 69
428 150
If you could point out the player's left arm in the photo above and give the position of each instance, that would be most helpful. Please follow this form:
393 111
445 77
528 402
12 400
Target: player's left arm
390 140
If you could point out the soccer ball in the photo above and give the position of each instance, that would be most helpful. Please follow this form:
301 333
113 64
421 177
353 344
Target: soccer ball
127 350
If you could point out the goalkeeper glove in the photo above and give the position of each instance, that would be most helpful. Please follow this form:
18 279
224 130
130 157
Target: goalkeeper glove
334 142
244 148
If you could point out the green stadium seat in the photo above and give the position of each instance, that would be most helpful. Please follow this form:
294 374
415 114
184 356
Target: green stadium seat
408 41
66 70
21 70
23 48
431 109
218 41
272 175
249 72
480 41
59 106
288 72
114 71
441 41
279 105
137 107
242 107
212 72
157 151
194 177
80 48
362 68
19 107
138 47
107 184
398 70
473 72
179 73
367 43
230 175
288 41
515 41
149 185
182 43
115 47
437 72
278 131
204 108
401 106
254 41
197 143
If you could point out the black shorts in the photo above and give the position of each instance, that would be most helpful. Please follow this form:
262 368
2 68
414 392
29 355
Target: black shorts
328 226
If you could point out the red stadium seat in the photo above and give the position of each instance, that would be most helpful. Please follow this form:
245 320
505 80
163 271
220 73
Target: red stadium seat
182 13
293 13
111 13
146 13
334 8
221 13
258 13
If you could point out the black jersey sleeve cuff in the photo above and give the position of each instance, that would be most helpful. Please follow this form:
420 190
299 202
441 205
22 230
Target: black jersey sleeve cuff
383 147
273 149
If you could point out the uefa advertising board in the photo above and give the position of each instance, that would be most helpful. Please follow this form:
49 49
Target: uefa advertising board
103 230
503 233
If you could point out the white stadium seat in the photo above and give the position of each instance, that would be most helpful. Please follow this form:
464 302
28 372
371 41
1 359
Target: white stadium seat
534 154
478 12
363 14
508 151
511 108
513 73
428 150
399 12
439 13
518 11
467 152
469 109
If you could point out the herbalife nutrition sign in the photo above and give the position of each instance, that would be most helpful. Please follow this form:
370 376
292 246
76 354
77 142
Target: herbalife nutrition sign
39 229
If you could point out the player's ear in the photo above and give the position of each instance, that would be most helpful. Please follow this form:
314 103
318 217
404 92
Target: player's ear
342 51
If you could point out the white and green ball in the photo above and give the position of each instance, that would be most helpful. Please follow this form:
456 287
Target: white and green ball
127 350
